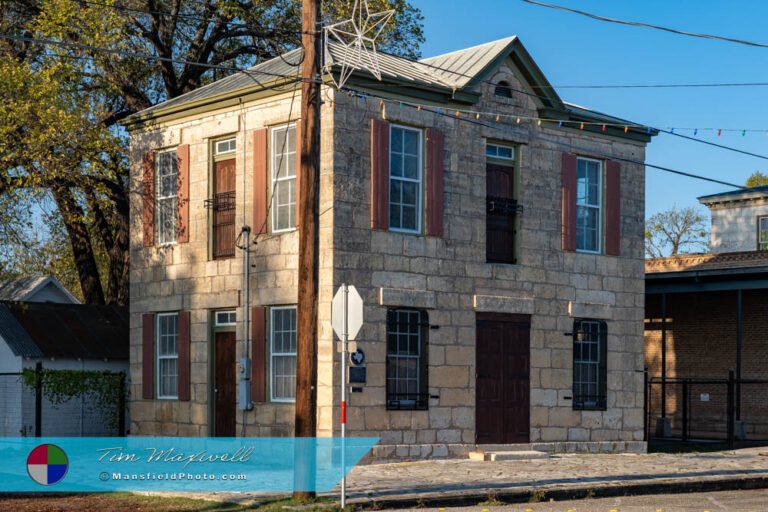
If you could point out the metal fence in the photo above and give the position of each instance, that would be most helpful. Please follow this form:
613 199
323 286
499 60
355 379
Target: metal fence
26 411
729 410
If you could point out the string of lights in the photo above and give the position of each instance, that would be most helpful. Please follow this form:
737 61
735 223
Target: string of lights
364 96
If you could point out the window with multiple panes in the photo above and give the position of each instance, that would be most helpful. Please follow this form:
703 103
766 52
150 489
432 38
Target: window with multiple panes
222 204
405 179
501 201
282 343
589 364
167 343
589 204
166 196
762 233
407 385
283 165
225 318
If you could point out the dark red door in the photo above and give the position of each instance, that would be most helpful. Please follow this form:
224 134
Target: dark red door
500 225
225 387
224 209
503 379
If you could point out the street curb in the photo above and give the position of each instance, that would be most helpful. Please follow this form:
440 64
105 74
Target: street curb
506 495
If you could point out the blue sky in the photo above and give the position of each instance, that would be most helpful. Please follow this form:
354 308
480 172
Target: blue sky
574 50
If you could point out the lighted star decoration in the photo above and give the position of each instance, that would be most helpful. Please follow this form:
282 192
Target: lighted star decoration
356 41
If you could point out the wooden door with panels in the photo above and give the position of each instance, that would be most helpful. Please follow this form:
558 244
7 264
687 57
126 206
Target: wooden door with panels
502 409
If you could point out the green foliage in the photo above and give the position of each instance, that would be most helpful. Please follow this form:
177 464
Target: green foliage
537 496
104 388
676 231
757 179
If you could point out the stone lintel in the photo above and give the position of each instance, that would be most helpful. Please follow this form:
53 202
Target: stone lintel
409 298
503 304
589 310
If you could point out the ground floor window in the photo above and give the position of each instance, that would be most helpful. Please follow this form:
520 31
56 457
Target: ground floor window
167 355
282 343
589 364
407 386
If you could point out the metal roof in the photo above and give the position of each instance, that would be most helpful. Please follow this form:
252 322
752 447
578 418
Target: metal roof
65 331
23 288
15 336
744 193
458 68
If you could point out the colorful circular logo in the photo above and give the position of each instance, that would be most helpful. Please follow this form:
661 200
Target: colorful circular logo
47 464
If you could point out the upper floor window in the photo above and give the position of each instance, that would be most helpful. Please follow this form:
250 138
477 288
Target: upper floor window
222 204
167 343
167 195
283 163
405 179
589 364
282 343
762 233
407 359
503 90
589 205
501 222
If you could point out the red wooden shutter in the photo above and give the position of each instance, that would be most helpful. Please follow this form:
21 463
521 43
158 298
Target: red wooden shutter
148 356
434 182
148 198
613 208
182 221
298 170
379 174
184 359
568 187
259 354
260 157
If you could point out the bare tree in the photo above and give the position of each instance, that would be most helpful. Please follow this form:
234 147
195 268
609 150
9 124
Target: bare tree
676 231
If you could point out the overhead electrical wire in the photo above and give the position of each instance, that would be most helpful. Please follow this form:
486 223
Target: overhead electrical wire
648 25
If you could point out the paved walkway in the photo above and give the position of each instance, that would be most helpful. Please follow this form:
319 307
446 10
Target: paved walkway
562 476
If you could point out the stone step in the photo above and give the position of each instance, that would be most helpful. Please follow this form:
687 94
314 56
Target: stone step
516 455
502 455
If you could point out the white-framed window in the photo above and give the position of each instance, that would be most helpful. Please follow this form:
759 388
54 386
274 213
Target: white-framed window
406 359
589 364
405 179
283 182
500 151
167 196
589 205
762 233
282 343
224 146
225 318
167 343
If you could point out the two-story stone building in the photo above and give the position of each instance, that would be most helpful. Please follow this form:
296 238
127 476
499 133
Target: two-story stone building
494 231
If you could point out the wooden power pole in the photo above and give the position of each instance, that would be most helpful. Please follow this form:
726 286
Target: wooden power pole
309 177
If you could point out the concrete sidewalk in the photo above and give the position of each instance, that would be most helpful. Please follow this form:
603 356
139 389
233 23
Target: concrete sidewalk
560 476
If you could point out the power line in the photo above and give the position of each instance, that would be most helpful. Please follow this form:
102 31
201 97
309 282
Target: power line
562 144
658 86
648 25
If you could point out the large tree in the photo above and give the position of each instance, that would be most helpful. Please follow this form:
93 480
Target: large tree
72 69
676 231
757 179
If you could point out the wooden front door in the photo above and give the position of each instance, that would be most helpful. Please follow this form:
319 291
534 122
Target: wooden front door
224 384
502 409
224 209
500 225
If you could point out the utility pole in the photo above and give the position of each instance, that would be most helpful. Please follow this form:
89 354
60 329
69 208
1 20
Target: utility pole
309 176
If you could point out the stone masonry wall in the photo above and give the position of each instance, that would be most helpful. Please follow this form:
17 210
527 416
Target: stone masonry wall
449 277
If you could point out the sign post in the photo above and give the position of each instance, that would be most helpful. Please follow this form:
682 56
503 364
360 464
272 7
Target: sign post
346 320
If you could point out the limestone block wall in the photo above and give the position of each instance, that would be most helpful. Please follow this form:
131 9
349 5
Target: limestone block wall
449 277
183 277
734 225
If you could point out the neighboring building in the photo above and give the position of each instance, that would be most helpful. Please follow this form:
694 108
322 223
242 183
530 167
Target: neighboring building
739 220
61 337
479 245
707 314
36 289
